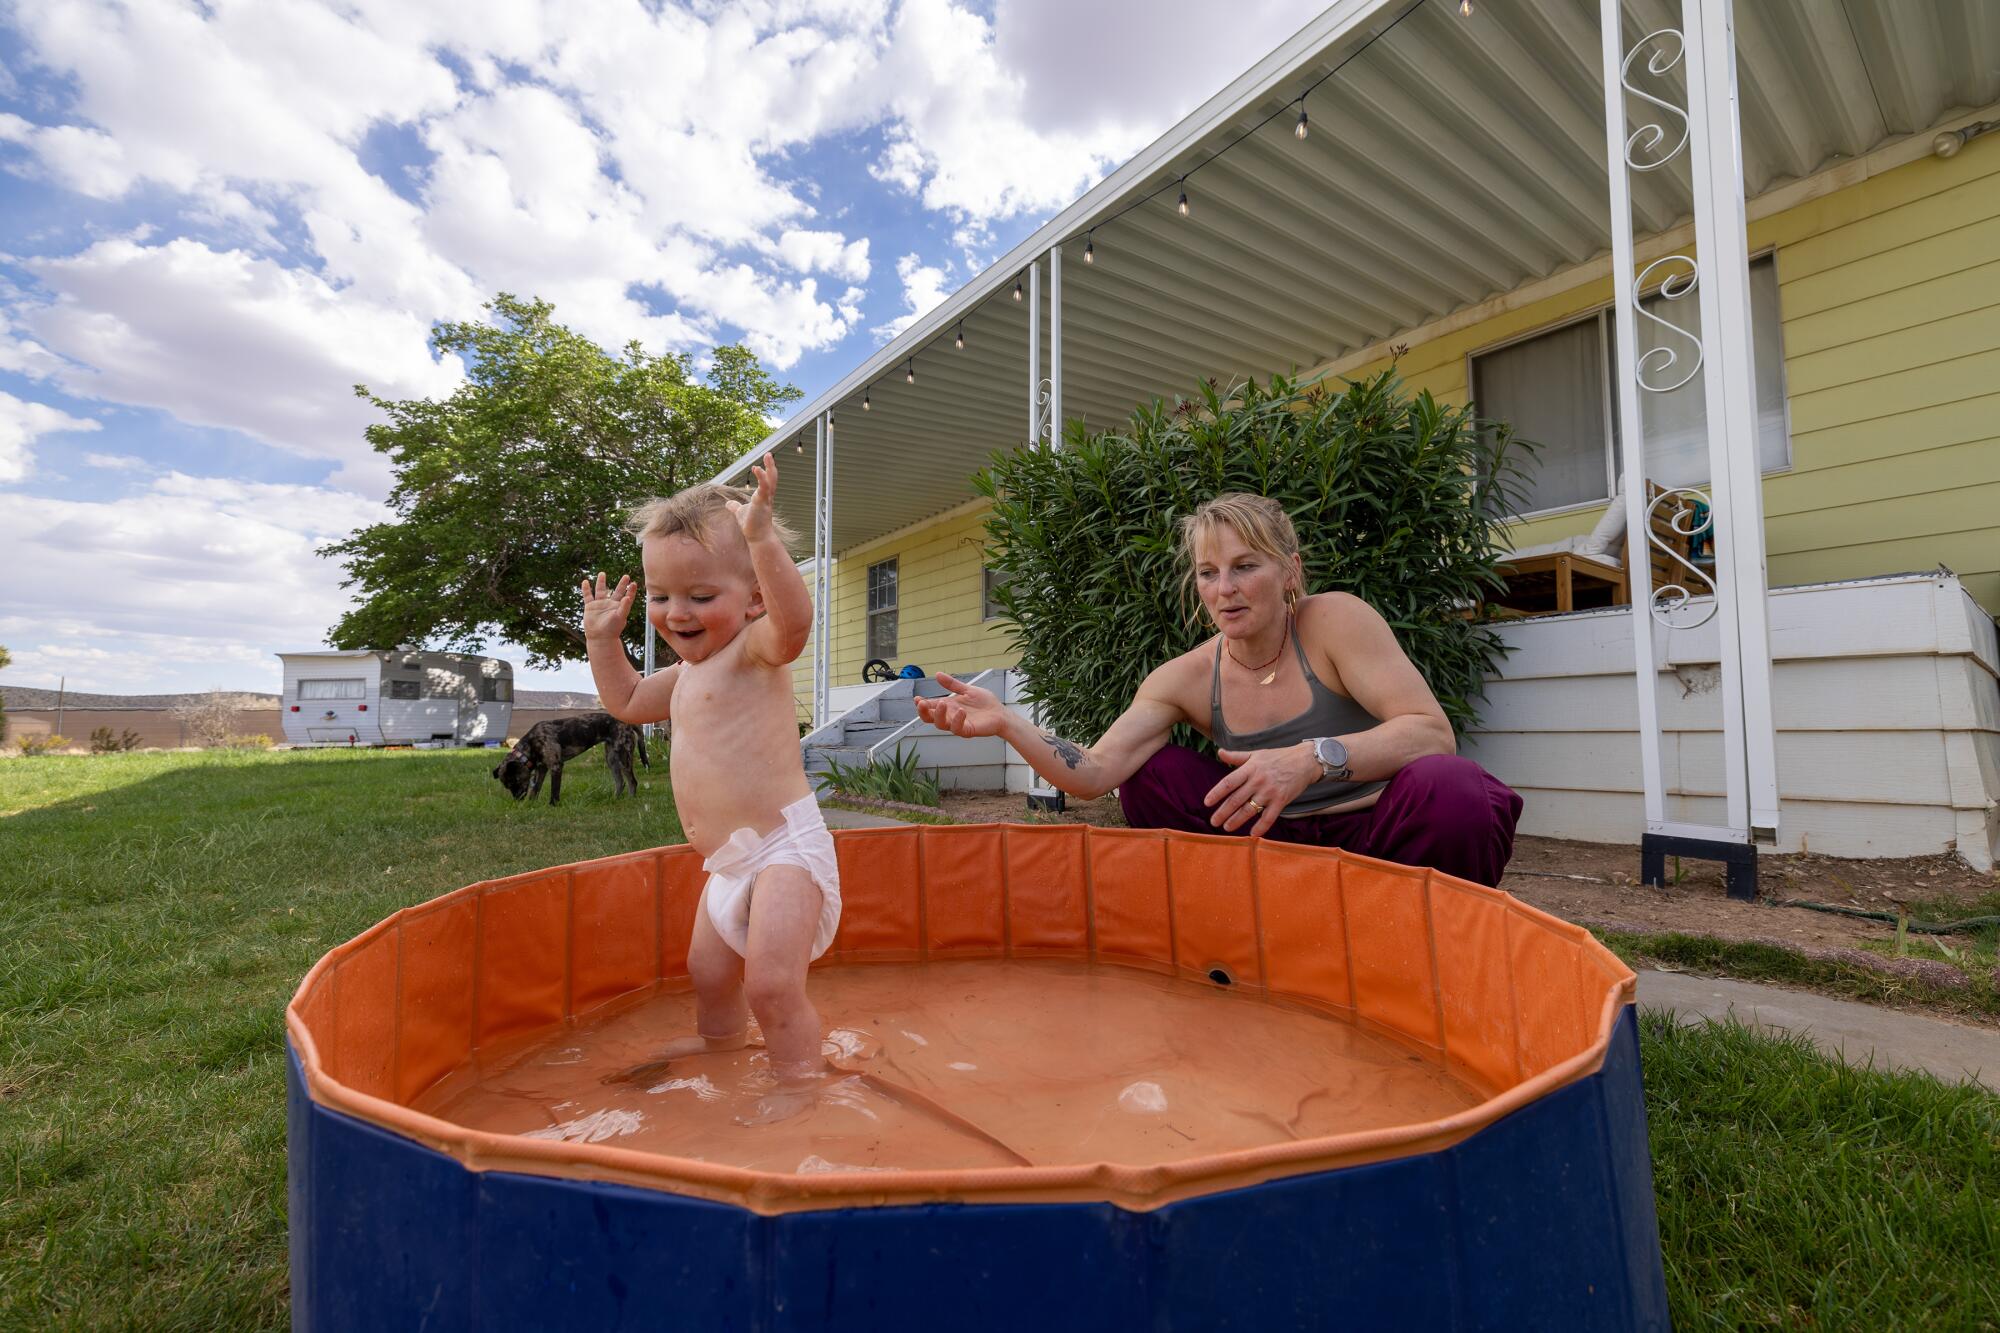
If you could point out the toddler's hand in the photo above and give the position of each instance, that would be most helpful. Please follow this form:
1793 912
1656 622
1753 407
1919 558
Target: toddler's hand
755 517
606 612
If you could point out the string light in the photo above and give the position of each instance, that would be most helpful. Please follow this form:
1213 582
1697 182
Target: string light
1090 247
1183 205
1465 9
960 339
1299 130
1017 289
910 371
799 445
864 400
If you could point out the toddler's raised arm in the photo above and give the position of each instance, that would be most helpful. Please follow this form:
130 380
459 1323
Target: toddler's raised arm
781 635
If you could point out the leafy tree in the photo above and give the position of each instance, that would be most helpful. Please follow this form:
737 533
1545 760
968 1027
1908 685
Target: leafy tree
1395 498
515 486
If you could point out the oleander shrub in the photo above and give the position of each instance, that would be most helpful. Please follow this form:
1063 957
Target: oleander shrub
1395 495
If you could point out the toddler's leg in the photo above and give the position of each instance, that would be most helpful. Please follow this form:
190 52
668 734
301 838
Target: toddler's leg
784 918
722 1017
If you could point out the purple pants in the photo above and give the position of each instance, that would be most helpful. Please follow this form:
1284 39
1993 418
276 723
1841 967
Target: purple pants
1440 811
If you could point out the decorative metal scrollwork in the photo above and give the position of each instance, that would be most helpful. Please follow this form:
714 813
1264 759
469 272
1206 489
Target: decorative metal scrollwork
1044 406
1663 359
1683 503
1648 137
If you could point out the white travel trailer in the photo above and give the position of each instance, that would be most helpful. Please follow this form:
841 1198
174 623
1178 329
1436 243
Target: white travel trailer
399 697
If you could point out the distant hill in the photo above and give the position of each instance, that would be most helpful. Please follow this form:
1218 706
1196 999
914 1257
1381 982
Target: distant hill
25 697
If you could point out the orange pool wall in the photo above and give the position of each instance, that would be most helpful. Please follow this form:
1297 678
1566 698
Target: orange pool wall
1536 1204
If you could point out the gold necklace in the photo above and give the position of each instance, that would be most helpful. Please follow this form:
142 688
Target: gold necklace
1253 670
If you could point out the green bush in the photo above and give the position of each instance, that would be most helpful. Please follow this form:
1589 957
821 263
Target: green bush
884 780
37 745
1394 496
103 742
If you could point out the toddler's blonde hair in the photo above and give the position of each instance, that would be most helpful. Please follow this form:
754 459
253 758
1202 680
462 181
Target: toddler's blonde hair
1258 521
694 512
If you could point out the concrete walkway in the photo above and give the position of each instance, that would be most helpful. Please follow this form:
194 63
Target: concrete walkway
1859 1033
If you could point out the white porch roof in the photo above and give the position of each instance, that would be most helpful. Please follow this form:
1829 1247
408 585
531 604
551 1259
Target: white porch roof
1451 160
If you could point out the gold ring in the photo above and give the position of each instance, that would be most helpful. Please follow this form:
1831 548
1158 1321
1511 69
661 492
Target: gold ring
1257 805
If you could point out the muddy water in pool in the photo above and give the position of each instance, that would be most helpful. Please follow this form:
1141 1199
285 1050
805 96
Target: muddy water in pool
965 1064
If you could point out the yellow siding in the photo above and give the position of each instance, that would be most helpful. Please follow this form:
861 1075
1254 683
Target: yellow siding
1890 295
939 588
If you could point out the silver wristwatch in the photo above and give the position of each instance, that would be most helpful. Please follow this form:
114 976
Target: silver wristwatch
1332 756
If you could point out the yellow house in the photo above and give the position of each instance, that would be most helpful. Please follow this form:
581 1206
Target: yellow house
1446 206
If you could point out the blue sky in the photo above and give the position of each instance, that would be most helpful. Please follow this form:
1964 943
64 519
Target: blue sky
216 217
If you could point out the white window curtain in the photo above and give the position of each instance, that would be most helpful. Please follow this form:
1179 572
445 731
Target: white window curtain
1559 389
1676 421
1551 390
354 688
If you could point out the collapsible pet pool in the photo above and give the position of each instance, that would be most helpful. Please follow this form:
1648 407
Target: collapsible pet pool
1087 1078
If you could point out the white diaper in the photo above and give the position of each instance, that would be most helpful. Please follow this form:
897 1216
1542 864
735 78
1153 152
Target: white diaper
802 841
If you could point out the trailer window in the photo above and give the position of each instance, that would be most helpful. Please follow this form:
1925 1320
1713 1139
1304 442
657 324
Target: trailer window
354 688
400 689
493 690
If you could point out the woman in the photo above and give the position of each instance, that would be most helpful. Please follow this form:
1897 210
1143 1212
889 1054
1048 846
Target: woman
1324 731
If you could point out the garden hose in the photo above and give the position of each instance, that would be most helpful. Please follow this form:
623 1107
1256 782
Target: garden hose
1965 927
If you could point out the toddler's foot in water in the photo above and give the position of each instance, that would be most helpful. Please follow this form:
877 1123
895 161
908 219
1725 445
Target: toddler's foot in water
678 1049
798 1089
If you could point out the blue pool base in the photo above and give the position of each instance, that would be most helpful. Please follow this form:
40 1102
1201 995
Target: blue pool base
1543 1220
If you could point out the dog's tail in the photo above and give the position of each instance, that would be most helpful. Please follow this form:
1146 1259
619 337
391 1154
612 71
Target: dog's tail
639 743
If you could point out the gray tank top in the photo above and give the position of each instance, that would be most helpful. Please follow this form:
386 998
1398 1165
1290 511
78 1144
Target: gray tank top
1329 714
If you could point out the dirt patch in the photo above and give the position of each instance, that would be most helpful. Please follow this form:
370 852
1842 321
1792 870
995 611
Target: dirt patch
1598 884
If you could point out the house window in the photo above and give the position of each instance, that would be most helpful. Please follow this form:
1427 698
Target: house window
991 582
494 690
1559 389
400 689
352 688
882 610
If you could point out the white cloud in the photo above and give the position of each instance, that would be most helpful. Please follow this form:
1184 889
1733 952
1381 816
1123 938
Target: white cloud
117 463
85 160
223 338
21 424
189 575
924 287
825 252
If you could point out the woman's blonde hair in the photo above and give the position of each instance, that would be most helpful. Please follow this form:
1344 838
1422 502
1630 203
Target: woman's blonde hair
1258 521
695 512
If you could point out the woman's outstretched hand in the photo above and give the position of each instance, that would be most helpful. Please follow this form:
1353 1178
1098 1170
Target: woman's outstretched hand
967 711
1260 784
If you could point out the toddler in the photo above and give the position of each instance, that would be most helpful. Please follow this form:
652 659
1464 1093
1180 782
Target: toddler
722 589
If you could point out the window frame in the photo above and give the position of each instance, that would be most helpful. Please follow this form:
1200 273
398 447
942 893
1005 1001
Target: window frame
1605 313
989 610
870 611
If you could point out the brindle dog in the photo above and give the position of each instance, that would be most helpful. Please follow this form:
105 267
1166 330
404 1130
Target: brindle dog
549 744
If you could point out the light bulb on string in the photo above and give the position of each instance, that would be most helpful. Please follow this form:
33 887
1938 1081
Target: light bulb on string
1089 250
959 340
1299 130
1017 289
1183 205
799 445
1465 9
864 400
910 371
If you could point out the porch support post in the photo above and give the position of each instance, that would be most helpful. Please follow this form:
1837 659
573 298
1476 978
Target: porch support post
651 729
1055 347
822 560
1722 244
1631 430
1034 351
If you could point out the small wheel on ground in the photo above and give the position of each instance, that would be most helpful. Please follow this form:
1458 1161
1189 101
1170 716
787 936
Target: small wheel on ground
877 671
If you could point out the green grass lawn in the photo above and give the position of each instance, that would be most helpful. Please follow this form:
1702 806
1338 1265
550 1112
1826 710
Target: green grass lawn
157 910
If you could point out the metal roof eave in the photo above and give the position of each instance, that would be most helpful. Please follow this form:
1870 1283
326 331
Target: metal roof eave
1345 20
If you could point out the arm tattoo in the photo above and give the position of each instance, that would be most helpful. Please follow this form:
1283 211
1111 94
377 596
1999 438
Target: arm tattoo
1065 750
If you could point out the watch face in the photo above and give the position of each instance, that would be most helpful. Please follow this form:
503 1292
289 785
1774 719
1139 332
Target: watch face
1331 752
